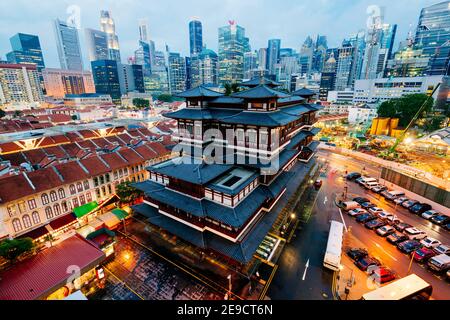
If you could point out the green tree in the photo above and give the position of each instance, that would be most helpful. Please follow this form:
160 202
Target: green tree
12 249
165 98
405 108
434 124
231 88
2 113
17 114
74 117
141 103
127 193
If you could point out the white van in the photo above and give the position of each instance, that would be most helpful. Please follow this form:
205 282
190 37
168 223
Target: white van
415 234
350 205
439 263
370 184
392 195
364 180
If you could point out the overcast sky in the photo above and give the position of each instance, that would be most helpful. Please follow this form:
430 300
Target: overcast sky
289 20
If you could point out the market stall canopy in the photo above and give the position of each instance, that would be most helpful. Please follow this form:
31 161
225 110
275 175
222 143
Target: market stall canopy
120 214
85 209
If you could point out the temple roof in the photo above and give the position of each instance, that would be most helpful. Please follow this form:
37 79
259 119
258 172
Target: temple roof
258 81
280 117
198 92
187 170
260 92
304 92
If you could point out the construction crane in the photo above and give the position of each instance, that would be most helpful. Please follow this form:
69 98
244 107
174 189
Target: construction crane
413 120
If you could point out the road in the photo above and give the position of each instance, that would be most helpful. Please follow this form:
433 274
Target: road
297 281
378 246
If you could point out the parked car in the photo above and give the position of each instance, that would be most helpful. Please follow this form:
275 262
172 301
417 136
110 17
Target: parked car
356 212
402 226
440 220
350 205
359 180
357 253
391 195
420 208
408 246
393 220
442 249
396 238
361 200
430 214
430 243
363 218
400 200
439 263
353 176
384 215
375 210
423 254
385 231
317 184
371 184
364 263
415 234
367 205
383 275
447 226
375 224
408 204
378 189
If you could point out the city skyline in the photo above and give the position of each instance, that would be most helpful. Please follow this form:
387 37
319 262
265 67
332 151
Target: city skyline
127 16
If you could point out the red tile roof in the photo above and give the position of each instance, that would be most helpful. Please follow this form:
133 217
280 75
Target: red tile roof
71 171
87 134
61 139
94 165
57 151
55 118
46 272
114 160
35 156
146 152
125 137
45 179
159 148
15 158
14 187
131 156
72 149
73 136
9 147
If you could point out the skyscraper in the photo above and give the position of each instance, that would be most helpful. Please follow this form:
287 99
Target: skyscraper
106 78
273 55
262 59
108 26
204 69
145 54
131 78
26 49
328 78
346 66
195 36
144 34
250 64
177 73
97 44
19 84
68 44
58 82
232 45
433 36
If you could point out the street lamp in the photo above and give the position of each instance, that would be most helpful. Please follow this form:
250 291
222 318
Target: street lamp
228 294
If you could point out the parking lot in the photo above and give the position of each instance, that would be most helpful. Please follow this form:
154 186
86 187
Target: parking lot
376 245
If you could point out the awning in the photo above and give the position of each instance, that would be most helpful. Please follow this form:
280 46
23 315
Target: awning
120 214
84 231
110 219
85 209
62 221
36 233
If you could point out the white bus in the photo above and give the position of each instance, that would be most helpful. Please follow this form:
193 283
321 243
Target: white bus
332 258
411 287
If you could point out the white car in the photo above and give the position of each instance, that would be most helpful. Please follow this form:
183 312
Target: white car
384 215
385 231
393 219
400 200
430 243
415 234
375 210
430 214
442 249
356 212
